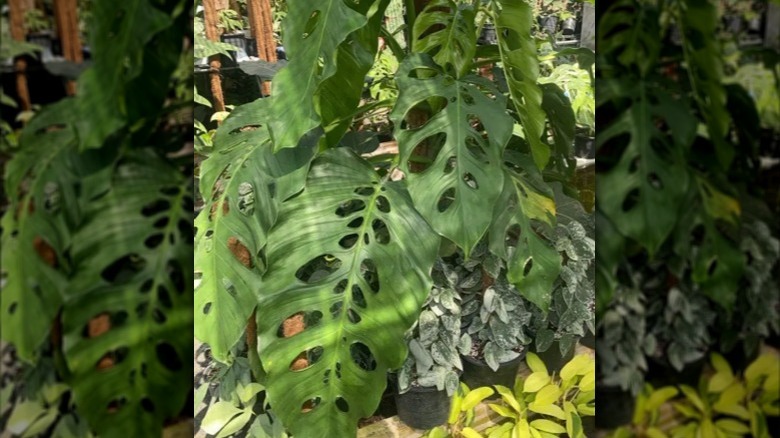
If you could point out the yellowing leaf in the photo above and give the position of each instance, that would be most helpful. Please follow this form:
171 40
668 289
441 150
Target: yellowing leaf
579 365
470 433
588 382
547 395
502 410
548 426
661 396
720 381
585 409
474 397
732 426
551 410
733 395
536 381
691 395
437 432
534 363
720 364
654 432
522 429
508 397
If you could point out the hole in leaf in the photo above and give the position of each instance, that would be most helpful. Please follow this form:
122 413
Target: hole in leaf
147 405
366 239
355 223
370 275
12 308
381 232
353 316
112 358
155 207
116 404
164 296
161 223
318 268
170 191
655 181
632 168
470 181
335 309
423 73
186 230
350 207
449 166
168 357
342 405
176 274
123 268
529 264
357 296
153 241
631 200
475 123
306 359
341 286
140 310
425 152
364 191
240 252
697 235
311 24
298 322
206 308
711 267
326 377
309 405
214 206
188 204
362 356
348 241
383 204
158 316
246 199
446 200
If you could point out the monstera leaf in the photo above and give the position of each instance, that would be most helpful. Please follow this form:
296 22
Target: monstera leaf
128 309
445 30
349 267
471 130
641 194
241 181
637 45
514 21
522 229
42 182
313 32
698 23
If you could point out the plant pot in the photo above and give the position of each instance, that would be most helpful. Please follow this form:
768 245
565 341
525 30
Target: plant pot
733 24
51 45
738 358
660 372
423 407
754 25
488 35
549 24
675 36
589 340
589 425
239 40
615 405
568 26
584 147
552 357
477 373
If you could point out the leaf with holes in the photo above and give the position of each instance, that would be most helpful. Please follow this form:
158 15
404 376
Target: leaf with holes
468 135
631 45
41 183
524 213
126 327
313 32
240 181
642 193
349 268
445 30
517 48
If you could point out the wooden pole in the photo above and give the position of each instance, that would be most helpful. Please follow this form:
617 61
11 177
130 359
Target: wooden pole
66 13
261 24
210 19
17 12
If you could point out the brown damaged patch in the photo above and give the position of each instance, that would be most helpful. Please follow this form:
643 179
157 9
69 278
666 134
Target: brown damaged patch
99 325
291 327
240 252
45 251
213 210
105 362
299 362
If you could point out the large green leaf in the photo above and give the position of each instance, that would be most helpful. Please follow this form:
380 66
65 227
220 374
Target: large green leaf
445 30
522 229
241 182
629 33
465 179
514 21
313 32
373 254
698 24
641 194
128 310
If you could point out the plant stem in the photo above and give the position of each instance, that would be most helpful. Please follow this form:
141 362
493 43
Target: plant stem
411 16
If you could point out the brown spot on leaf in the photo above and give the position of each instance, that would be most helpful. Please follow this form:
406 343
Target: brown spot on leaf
299 362
240 252
213 210
105 362
45 251
99 325
293 325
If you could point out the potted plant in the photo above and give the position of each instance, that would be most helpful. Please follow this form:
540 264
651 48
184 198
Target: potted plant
548 11
568 17
570 315
551 404
462 414
429 376
577 84
647 413
494 316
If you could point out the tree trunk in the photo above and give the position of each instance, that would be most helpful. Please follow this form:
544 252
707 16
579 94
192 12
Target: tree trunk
210 19
66 13
261 22
17 10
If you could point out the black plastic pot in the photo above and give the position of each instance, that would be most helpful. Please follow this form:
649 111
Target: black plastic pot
589 340
237 39
616 407
733 23
423 407
549 24
488 35
552 357
754 25
477 373
568 26
584 147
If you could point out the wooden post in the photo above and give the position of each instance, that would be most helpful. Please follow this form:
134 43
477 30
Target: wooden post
210 19
66 13
261 24
17 11
588 35
772 34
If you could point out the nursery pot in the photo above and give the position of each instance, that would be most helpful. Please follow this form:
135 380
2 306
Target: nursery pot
423 407
660 372
754 24
549 24
552 357
584 147
589 340
733 23
568 26
488 35
477 373
615 405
